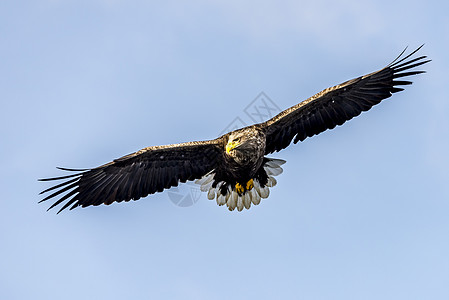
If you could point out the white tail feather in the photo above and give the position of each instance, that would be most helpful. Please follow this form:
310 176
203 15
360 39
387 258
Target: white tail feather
239 203
271 181
255 198
221 200
211 194
247 200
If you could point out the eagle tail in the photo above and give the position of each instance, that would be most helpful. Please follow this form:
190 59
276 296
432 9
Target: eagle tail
240 195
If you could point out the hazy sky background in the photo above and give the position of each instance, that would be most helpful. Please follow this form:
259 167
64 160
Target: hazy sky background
360 212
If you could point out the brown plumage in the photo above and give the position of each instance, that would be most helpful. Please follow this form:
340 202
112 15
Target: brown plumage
233 168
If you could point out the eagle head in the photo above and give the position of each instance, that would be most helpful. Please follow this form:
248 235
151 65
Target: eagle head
246 145
238 141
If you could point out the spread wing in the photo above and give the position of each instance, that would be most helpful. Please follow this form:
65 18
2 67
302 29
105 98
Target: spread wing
338 104
136 175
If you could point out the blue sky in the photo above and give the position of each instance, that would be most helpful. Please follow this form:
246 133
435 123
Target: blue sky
360 212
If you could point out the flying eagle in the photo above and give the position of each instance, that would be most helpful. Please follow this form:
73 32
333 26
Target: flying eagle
233 168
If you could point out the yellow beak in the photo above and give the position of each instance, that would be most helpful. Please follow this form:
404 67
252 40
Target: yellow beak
230 146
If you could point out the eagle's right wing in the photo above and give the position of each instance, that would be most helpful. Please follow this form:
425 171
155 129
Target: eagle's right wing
136 175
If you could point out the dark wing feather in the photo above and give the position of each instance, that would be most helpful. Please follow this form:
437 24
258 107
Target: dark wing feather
338 104
136 175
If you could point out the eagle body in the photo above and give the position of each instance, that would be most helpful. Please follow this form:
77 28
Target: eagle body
244 160
234 168
243 175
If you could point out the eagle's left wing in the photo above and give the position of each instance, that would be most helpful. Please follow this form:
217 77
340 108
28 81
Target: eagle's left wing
136 175
338 104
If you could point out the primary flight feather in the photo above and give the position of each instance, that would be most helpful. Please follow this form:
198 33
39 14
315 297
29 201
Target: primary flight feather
232 168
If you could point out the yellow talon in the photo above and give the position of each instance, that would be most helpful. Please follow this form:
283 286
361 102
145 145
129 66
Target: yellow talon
249 184
239 188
